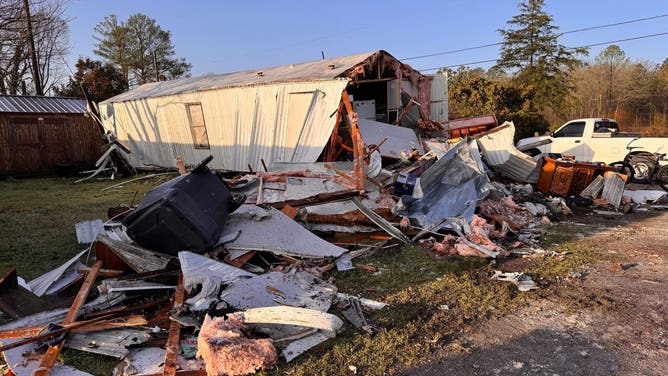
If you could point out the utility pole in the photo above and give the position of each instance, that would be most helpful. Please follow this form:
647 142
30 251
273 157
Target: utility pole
33 53
155 64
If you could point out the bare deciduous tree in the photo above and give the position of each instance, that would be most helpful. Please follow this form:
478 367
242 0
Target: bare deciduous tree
49 29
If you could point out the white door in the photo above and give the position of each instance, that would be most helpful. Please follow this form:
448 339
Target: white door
569 141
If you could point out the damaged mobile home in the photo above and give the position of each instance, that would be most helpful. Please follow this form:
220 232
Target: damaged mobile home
290 113
229 274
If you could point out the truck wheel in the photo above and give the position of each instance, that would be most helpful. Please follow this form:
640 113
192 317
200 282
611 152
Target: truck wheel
623 168
662 177
642 169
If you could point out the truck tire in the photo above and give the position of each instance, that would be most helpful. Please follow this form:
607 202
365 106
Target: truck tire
623 168
662 177
642 169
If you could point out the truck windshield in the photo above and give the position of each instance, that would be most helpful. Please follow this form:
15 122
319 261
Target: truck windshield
606 127
571 130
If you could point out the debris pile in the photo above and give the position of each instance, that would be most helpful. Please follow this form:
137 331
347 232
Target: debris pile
221 276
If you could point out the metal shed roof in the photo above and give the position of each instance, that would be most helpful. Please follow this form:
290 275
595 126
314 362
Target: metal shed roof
42 105
317 70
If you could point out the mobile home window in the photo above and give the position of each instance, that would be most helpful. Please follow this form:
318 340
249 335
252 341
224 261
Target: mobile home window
197 126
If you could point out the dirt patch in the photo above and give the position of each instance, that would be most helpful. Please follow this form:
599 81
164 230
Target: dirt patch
609 318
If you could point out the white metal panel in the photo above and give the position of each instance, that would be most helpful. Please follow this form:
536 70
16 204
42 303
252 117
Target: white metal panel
499 152
398 138
244 125
409 88
365 109
439 97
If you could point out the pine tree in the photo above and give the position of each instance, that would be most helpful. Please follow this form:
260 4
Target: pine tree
532 53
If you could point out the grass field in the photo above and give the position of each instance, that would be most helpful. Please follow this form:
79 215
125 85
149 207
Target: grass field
430 301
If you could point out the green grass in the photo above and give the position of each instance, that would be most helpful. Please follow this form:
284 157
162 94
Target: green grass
37 218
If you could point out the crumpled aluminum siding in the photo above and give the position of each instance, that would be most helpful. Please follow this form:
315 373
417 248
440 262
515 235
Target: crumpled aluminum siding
317 70
244 125
500 153
452 187
41 105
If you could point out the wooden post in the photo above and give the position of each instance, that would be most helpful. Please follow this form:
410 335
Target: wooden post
172 349
358 144
181 166
332 154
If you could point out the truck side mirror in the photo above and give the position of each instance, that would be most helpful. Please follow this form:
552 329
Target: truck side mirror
551 134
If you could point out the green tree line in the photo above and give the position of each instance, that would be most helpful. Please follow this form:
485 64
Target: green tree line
539 84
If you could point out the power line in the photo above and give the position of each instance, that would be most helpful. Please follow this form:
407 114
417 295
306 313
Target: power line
614 24
622 40
570 48
452 51
558 35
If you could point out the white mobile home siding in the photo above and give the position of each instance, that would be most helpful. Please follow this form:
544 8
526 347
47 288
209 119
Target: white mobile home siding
280 122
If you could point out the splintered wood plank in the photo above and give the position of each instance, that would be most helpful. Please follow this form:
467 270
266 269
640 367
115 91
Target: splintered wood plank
49 358
80 326
172 349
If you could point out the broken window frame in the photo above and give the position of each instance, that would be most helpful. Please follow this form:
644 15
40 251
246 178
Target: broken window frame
193 127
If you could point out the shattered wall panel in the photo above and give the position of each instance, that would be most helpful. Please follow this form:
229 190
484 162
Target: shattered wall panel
41 284
210 274
398 138
501 154
275 232
299 289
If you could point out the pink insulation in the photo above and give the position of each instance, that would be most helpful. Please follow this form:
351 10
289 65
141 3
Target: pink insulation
227 351
451 245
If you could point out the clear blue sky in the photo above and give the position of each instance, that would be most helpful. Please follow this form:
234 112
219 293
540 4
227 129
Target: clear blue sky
227 36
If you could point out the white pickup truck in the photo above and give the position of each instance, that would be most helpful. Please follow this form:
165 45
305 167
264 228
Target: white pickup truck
592 140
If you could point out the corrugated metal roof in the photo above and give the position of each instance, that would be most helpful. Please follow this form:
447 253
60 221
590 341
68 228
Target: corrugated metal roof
317 70
41 105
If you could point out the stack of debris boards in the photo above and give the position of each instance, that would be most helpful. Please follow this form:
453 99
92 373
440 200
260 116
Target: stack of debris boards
260 278
238 287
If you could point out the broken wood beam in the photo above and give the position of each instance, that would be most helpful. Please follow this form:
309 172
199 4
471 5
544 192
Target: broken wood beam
341 174
404 112
172 348
49 358
358 144
105 273
56 332
320 198
375 147
34 331
332 153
